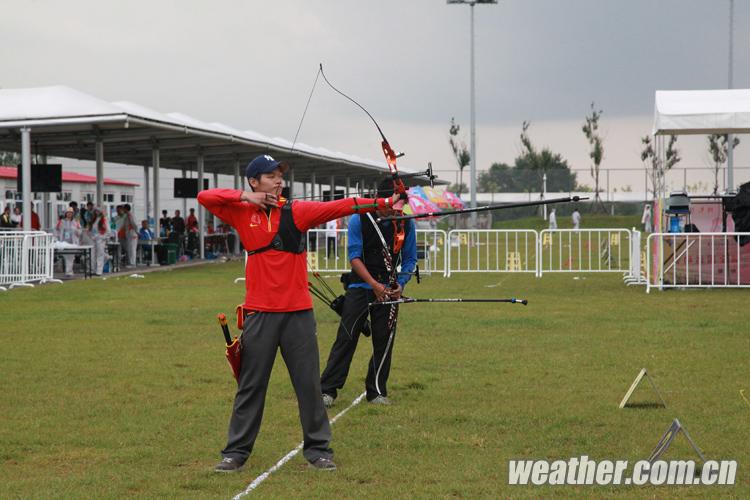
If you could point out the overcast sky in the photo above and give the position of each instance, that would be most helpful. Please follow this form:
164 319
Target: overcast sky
251 65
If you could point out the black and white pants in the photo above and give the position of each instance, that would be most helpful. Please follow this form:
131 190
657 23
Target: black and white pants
342 352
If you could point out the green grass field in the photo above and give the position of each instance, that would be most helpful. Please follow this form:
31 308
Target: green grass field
119 387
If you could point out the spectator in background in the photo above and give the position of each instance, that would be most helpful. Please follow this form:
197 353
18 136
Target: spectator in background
178 232
16 217
552 219
145 234
87 214
576 218
99 234
36 225
192 233
76 215
165 224
68 229
5 220
120 228
192 222
647 219
331 238
131 235
178 223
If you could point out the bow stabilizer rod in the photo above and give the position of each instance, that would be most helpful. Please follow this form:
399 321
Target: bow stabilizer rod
410 300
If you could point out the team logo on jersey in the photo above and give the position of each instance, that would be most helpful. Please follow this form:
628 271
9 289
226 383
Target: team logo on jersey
255 220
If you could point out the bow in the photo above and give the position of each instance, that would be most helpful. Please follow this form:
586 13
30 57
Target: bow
398 187
390 155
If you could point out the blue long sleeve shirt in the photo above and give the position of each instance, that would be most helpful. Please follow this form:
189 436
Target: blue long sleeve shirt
408 250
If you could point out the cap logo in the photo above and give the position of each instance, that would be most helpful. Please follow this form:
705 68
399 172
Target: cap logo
268 157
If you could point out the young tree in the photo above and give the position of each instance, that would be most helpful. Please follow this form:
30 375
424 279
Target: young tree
718 148
498 179
591 131
528 170
531 166
654 167
460 152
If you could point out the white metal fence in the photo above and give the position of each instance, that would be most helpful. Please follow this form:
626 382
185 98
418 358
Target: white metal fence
697 260
25 257
585 250
331 255
492 250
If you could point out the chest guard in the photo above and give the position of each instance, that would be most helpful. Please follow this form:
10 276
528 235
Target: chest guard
372 248
287 238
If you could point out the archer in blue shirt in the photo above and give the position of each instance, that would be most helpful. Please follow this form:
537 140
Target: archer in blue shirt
368 283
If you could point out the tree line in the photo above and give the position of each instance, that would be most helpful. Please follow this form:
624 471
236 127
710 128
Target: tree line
532 164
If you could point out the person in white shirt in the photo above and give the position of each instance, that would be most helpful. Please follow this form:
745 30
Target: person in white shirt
68 229
331 238
576 217
646 220
99 233
552 219
131 235
16 217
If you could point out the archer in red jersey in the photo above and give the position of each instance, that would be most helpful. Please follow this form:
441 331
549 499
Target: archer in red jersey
278 306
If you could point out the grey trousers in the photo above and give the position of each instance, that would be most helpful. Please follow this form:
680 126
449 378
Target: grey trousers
263 334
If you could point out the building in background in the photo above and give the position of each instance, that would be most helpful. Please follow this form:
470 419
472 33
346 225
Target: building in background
75 187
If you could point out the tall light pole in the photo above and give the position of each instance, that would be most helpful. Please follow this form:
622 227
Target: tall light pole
730 138
473 135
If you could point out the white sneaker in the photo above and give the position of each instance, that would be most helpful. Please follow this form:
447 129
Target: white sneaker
328 400
381 400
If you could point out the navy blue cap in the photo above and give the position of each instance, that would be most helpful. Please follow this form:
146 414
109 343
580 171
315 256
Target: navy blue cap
264 164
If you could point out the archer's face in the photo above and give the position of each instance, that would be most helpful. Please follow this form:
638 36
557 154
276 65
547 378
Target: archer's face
271 182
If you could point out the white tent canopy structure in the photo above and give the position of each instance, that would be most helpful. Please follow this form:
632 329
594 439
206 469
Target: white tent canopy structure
699 112
679 112
62 122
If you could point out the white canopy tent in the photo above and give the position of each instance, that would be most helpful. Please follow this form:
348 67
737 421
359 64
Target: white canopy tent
683 112
696 112
680 112
63 122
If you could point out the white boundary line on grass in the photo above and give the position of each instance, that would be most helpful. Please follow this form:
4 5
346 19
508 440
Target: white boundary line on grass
256 482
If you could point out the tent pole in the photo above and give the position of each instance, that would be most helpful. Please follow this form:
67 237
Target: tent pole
146 192
26 177
200 207
155 163
100 173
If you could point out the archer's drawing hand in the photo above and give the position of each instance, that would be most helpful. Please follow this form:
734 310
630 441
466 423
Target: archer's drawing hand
262 200
381 292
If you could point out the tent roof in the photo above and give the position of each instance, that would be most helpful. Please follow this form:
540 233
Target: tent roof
702 112
67 176
66 123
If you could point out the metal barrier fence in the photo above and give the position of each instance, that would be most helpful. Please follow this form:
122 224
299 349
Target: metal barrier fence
492 250
25 257
697 260
330 254
637 274
585 250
